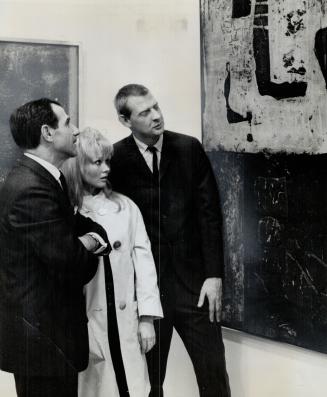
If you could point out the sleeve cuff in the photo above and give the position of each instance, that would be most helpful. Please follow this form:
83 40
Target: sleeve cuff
102 244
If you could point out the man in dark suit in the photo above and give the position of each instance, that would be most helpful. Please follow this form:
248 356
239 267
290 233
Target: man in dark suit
47 254
169 177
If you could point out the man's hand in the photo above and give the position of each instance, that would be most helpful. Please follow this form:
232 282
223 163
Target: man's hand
146 333
212 289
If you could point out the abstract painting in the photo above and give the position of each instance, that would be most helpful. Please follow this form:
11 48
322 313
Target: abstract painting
264 76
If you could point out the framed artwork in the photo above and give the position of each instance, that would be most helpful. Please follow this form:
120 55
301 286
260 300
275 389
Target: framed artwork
31 70
264 129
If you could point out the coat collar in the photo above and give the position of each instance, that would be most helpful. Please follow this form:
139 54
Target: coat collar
54 171
38 169
134 156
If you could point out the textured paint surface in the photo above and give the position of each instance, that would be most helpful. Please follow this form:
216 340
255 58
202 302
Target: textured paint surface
276 97
241 8
231 187
275 237
285 237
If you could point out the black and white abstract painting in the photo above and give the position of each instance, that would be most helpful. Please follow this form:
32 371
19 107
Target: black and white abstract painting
264 76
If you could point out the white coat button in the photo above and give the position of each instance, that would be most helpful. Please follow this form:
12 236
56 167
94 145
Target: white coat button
122 305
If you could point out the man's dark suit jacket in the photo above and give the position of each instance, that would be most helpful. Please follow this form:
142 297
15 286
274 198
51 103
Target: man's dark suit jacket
182 217
43 267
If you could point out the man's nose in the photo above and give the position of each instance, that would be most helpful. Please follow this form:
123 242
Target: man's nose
155 114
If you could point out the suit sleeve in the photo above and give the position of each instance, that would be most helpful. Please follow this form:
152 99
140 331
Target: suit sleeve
51 236
87 225
147 292
209 214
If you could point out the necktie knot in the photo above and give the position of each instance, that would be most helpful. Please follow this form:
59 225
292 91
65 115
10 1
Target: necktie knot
152 149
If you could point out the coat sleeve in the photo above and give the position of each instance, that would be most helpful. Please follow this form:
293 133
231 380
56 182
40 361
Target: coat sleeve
147 291
51 236
209 214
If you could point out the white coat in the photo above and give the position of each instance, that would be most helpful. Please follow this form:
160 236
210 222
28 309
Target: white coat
136 294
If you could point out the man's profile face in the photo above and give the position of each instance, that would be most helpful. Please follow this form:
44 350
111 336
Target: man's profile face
146 119
65 135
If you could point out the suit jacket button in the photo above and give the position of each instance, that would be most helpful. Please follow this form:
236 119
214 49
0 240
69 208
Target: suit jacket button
122 305
116 245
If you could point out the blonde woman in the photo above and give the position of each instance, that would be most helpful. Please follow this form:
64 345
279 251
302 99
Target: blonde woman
117 363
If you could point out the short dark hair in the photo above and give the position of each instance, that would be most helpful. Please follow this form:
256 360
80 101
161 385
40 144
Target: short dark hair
27 120
124 93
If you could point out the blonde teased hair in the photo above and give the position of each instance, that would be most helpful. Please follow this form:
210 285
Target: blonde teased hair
91 142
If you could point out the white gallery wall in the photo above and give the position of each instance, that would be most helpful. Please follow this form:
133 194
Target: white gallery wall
157 43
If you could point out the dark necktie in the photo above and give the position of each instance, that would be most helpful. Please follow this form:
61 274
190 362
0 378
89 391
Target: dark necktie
63 182
155 169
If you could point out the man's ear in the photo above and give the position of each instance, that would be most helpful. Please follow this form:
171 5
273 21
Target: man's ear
124 120
47 133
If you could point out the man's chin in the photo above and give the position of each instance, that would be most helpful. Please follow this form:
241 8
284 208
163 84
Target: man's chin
158 131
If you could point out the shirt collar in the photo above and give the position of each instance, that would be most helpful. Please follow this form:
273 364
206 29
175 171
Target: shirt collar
48 166
143 146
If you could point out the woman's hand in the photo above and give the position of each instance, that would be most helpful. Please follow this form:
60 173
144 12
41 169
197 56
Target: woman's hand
146 333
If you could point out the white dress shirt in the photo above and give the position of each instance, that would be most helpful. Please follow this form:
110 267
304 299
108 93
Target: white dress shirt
147 155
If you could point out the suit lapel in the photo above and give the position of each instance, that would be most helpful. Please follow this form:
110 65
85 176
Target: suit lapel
135 157
36 168
167 154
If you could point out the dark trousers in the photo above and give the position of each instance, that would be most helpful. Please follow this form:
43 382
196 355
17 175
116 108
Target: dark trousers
45 386
202 339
